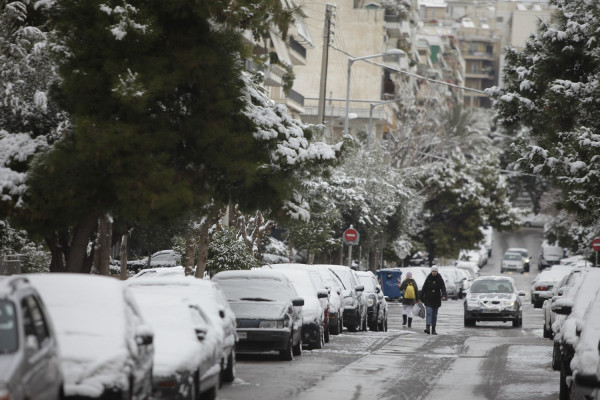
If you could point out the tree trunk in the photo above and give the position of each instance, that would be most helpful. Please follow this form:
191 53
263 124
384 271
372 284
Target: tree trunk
57 261
202 248
102 251
77 258
372 261
124 256
341 255
291 250
190 253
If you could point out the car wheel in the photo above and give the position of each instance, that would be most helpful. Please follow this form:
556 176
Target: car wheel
341 324
210 394
515 322
469 322
326 335
320 340
556 357
564 393
229 372
335 329
385 324
287 353
546 333
297 349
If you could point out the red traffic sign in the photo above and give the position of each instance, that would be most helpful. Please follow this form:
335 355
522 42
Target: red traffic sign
596 244
351 236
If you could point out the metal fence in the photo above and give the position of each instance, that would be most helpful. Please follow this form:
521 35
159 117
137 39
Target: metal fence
10 264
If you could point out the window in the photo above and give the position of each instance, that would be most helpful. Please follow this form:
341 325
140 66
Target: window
34 321
9 338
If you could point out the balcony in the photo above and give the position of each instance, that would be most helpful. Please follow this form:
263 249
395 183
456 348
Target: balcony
293 100
395 26
297 52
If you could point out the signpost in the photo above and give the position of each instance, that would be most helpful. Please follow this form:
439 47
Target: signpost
596 247
351 238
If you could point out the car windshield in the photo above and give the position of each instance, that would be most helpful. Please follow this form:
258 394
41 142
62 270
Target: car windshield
512 257
8 328
491 286
265 289
368 283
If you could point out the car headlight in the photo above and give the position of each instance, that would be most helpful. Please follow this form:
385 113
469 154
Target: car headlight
271 324
508 303
371 301
349 301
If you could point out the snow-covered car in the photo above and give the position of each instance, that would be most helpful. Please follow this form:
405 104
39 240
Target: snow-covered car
534 220
419 274
336 301
452 279
550 255
376 304
544 282
572 305
29 352
268 311
465 282
557 291
525 253
314 311
160 272
477 256
513 262
208 296
468 266
163 258
493 298
187 345
355 304
586 360
106 346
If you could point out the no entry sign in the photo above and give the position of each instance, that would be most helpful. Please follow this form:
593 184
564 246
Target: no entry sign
596 244
351 236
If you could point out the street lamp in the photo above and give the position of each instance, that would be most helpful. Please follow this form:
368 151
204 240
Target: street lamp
351 60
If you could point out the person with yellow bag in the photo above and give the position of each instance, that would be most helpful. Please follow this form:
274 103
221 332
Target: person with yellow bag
410 294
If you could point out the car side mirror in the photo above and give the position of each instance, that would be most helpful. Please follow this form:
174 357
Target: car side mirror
221 313
562 309
378 289
322 294
200 334
144 339
298 302
522 293
359 288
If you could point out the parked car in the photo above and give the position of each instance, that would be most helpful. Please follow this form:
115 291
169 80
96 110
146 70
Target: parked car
586 360
535 220
493 298
106 346
453 280
478 256
525 253
314 311
465 282
187 345
550 255
376 303
557 291
163 258
268 311
567 337
419 274
160 272
210 298
512 262
468 266
355 304
336 301
29 352
544 282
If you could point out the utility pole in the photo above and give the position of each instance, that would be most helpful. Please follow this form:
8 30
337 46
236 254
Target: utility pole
329 8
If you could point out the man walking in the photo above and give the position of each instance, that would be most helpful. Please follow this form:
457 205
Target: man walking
432 294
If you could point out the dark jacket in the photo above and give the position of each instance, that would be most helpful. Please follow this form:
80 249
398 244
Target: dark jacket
403 288
433 290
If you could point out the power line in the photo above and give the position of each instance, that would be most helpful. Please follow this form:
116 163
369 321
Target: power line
413 75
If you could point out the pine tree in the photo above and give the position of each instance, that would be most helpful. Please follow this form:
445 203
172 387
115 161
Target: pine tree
551 91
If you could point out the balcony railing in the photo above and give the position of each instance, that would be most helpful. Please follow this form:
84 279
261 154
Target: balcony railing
297 47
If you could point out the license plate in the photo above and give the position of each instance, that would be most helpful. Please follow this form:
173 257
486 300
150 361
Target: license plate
487 310
242 335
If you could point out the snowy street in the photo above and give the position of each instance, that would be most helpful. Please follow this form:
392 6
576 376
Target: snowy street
490 361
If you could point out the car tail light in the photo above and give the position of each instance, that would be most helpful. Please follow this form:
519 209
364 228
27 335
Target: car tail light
540 287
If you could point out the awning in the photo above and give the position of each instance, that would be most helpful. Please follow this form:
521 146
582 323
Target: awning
280 48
